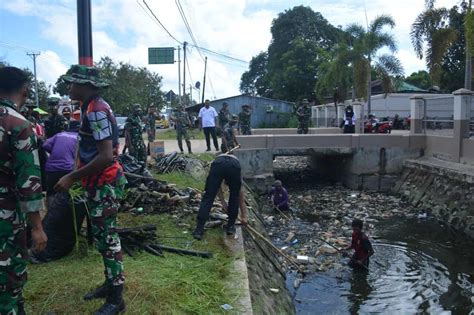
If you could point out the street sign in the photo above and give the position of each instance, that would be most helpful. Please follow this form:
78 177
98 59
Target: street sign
160 55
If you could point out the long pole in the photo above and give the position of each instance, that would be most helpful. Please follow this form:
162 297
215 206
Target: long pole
190 94
179 75
33 56
184 68
204 81
468 65
84 32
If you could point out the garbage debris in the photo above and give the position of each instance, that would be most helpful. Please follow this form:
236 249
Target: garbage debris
226 307
174 161
273 290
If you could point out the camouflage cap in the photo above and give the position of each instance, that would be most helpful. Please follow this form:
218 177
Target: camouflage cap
81 74
53 101
305 101
30 103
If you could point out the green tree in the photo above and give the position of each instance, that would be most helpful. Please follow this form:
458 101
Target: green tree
43 90
297 34
432 28
255 80
419 79
365 46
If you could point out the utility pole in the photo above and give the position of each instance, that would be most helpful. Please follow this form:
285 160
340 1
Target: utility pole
204 81
33 56
179 75
191 94
84 32
184 68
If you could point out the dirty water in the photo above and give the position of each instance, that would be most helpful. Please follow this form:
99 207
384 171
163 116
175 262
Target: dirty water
420 265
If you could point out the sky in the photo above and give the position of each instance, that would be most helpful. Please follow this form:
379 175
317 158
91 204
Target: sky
123 30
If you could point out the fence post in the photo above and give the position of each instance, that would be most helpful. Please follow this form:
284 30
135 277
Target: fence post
417 103
461 117
326 116
359 116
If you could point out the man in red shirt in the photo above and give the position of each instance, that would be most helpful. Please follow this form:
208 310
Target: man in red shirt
361 246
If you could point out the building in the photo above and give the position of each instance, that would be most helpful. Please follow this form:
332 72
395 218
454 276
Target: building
266 112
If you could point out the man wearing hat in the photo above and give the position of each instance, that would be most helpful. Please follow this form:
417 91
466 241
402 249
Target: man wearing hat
182 123
55 122
102 177
303 113
244 120
223 116
133 134
21 192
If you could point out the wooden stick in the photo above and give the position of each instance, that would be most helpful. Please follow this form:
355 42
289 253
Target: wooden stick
288 258
281 212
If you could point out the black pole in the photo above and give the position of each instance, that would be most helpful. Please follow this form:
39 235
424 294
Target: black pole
204 81
184 68
84 32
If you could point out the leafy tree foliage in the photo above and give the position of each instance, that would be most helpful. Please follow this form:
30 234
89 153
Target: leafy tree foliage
419 79
255 80
128 85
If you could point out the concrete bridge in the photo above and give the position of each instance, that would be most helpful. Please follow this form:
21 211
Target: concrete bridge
370 161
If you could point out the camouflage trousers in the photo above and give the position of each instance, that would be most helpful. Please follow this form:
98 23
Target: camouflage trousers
138 150
303 128
13 254
151 133
103 206
180 133
245 130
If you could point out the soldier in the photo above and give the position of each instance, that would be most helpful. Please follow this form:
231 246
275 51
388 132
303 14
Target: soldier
244 120
223 116
133 134
182 122
228 135
55 122
20 185
102 177
151 123
303 114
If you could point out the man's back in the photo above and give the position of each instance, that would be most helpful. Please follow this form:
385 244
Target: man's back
62 148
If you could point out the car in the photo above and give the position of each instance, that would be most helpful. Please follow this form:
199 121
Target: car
162 123
121 125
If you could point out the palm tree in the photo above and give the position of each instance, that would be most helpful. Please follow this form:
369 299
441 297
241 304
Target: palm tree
431 27
365 45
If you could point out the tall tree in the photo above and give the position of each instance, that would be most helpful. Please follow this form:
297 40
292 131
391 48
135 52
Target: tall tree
366 44
294 32
419 79
255 80
432 28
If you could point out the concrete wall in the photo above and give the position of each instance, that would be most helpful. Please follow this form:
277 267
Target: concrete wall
467 155
292 131
440 147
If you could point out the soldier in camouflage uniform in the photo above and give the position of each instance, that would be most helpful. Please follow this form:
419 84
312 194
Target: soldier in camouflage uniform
151 123
20 190
182 122
55 123
244 120
303 114
103 179
133 134
228 135
223 116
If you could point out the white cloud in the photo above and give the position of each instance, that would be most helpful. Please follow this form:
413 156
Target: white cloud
123 31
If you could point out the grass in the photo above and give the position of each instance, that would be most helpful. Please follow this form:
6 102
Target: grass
172 284
170 134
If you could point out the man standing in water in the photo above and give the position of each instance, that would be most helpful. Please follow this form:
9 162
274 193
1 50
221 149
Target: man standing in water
361 246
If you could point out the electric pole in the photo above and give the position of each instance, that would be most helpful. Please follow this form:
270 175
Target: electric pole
184 68
84 32
179 75
190 94
33 56
204 81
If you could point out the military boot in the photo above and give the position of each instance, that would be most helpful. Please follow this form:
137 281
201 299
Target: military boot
21 307
98 293
199 231
188 143
114 303
181 148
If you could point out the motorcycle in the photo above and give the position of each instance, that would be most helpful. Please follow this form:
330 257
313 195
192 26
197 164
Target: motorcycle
378 127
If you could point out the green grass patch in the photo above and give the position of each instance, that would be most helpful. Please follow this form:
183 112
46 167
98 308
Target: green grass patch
170 134
172 284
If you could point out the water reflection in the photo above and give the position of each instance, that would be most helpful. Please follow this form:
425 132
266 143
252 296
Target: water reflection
418 267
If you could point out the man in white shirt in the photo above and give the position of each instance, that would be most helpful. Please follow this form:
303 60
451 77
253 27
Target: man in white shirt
207 121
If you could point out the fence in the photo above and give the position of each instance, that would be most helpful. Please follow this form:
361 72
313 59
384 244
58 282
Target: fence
438 113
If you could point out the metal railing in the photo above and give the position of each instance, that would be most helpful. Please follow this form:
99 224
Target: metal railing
438 116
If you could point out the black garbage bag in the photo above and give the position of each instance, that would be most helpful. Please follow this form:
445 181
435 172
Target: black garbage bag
133 166
58 224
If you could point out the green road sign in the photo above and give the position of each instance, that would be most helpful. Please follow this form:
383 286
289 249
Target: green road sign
160 55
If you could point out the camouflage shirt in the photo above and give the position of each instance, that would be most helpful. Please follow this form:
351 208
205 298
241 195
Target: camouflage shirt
181 119
151 121
20 180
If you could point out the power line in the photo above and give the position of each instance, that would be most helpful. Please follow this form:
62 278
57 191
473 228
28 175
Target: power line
161 24
221 54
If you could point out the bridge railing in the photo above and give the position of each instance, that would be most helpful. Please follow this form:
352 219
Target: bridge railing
438 116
